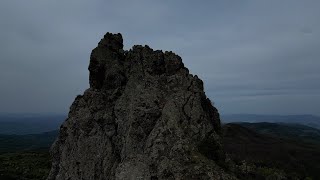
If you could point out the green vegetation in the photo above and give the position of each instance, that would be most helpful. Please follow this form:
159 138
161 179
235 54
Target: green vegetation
25 157
270 155
33 165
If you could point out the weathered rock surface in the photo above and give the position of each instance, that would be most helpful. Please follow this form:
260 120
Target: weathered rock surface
143 117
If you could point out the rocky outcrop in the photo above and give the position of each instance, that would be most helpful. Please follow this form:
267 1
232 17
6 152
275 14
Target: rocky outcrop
143 117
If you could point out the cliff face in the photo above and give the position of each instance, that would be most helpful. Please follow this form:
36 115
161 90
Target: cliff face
143 117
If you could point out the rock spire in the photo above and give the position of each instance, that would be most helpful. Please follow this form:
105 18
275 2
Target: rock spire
143 117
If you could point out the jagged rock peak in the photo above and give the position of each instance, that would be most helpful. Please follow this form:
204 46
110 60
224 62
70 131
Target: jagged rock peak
109 59
143 117
112 41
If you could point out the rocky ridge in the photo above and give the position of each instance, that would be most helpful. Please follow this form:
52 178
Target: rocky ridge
143 117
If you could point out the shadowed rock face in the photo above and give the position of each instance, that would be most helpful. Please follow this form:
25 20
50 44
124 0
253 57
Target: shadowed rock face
143 117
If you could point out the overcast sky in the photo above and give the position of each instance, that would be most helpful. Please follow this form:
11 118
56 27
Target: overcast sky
257 56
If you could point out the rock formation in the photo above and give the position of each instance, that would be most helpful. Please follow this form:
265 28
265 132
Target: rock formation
143 117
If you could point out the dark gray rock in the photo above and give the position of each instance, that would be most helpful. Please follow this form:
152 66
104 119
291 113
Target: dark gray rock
143 117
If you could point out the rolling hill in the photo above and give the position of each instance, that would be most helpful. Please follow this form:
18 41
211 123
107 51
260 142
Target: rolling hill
286 130
264 149
307 120
278 152
22 124
15 143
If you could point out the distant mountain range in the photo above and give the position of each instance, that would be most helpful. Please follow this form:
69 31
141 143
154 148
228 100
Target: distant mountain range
23 123
20 124
308 120
286 130
14 143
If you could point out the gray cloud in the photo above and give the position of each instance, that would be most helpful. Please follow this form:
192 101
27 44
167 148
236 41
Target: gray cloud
254 56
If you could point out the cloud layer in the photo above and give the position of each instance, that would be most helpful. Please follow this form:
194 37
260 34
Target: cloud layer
254 56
